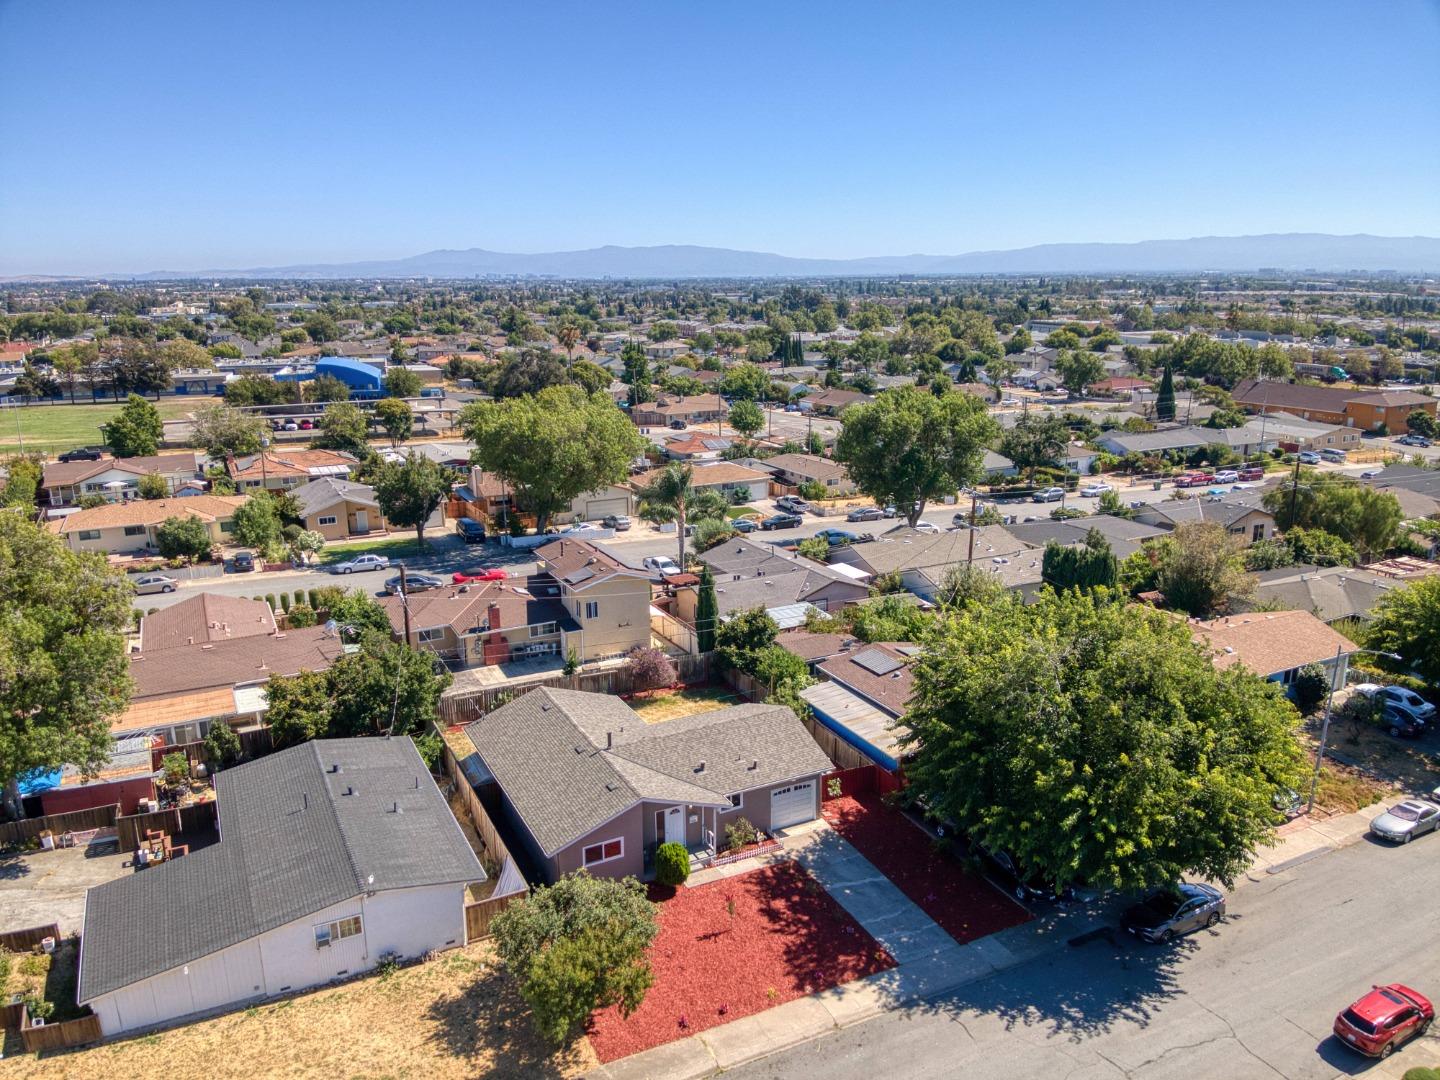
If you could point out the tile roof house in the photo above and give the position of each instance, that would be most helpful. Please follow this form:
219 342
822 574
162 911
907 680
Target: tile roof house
1348 406
580 781
278 468
65 482
696 447
332 855
129 526
487 623
1275 645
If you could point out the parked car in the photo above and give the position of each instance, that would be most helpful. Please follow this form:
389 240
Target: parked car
678 425
361 563
1406 820
153 583
1404 440
1370 474
618 522
745 524
1400 698
82 453
413 583
465 577
661 564
782 521
1027 888
1252 474
792 504
927 527
1094 491
1227 476
1384 1019
1309 457
470 530
836 537
1167 913
889 511
242 562
865 513
1194 479
1333 453
307 425
1051 494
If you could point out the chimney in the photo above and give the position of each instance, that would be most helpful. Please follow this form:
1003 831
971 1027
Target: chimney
492 617
609 740
700 768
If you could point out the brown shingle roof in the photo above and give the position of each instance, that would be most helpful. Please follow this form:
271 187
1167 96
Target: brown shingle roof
579 564
891 691
66 473
150 512
237 662
287 463
466 613
205 617
1269 642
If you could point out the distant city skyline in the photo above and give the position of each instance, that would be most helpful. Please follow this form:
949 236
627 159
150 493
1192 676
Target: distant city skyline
162 135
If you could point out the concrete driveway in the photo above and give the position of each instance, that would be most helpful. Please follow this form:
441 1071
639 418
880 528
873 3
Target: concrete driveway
42 887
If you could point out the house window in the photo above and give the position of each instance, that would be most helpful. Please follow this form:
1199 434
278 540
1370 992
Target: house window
134 530
544 629
1257 531
434 633
592 609
325 933
737 802
89 534
328 519
604 852
227 526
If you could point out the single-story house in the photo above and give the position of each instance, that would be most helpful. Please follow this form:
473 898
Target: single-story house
833 401
204 618
1253 438
1297 434
749 575
64 483
1119 386
696 448
922 558
722 476
487 496
797 469
1079 458
333 856
581 782
994 464
1330 593
1242 514
127 527
863 698
699 409
338 509
1124 536
1276 645
278 469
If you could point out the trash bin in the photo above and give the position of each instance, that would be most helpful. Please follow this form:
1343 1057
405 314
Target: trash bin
1157 485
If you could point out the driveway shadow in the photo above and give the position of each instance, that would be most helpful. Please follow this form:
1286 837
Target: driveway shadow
13 866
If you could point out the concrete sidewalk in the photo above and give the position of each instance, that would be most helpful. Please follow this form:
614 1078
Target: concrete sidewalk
928 962
1306 838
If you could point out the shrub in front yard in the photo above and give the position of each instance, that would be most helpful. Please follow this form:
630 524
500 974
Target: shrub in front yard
576 946
740 833
1310 687
672 864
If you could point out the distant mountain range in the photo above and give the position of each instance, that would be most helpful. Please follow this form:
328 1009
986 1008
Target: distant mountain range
1281 251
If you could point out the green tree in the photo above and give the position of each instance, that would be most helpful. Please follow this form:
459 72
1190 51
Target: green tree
22 482
153 486
707 611
353 610
745 381
345 428
1165 398
185 538
136 430
1199 567
1090 565
741 638
64 668
890 617
746 417
552 446
1421 422
815 548
965 584
299 707
396 418
636 368
325 388
1097 742
386 688
1036 439
1364 517
306 543
257 522
410 491
321 328
402 383
577 946
222 745
908 447
1406 621
666 498
1077 370
219 430
589 376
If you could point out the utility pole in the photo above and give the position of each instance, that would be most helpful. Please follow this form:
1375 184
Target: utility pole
405 604
970 555
1294 490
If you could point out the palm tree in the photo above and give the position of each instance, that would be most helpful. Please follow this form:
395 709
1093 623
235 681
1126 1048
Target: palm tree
667 497
568 336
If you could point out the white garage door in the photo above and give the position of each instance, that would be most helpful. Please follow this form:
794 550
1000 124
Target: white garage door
595 509
792 804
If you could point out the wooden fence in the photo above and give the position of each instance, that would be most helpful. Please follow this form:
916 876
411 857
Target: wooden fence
97 817
467 706
25 940
78 1032
198 817
868 779
498 861
480 914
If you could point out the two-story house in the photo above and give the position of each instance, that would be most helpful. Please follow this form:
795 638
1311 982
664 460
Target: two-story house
608 599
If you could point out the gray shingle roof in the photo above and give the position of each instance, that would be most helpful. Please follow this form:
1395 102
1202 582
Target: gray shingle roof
548 751
293 842
325 491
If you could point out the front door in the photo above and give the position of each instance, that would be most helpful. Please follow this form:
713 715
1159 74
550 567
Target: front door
670 825
362 521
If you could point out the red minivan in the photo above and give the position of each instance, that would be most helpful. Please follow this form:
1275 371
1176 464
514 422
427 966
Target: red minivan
1384 1019
1252 474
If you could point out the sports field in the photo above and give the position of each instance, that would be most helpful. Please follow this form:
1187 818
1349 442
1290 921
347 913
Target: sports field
54 428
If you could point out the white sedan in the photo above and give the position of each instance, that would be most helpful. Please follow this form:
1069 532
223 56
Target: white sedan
1094 491
361 562
662 565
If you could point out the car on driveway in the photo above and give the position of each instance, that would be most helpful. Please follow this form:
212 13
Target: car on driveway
1406 820
361 563
1168 913
1309 457
1384 1019
782 521
461 577
745 524
242 562
792 504
1094 491
153 583
661 564
1050 494
865 513
413 583
1401 699
618 522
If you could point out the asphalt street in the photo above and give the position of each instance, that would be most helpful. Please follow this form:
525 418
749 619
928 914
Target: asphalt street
1253 998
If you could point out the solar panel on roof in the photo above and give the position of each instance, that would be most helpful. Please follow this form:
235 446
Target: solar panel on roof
877 662
577 576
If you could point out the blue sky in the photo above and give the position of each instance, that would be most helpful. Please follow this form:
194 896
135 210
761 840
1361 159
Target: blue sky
149 135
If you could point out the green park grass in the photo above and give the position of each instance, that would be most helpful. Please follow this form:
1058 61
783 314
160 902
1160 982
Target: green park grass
53 429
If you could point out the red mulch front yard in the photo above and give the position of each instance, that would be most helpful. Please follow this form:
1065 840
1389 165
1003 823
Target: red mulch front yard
787 938
966 906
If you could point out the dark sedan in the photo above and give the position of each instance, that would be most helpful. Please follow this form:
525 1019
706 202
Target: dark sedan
782 521
1167 913
414 583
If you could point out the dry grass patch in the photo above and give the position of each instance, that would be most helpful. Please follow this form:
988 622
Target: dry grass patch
670 704
454 1017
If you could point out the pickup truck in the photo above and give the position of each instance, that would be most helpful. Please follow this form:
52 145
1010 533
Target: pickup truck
1194 479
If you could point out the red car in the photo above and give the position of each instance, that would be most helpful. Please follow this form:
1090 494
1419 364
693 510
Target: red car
480 575
1252 474
1195 479
1384 1019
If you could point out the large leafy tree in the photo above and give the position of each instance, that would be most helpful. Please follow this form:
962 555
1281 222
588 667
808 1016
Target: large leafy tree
344 427
23 473
63 666
396 418
1036 439
136 430
1407 622
746 417
183 538
577 946
385 688
409 491
401 382
552 446
1078 369
1199 567
1365 518
257 522
1097 742
299 707
219 430
908 446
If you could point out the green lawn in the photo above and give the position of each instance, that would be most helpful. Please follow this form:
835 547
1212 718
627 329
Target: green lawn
392 547
56 428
